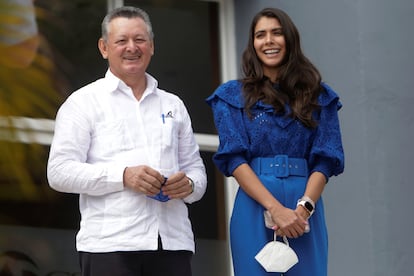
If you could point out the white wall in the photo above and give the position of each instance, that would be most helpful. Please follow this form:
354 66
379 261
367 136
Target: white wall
363 49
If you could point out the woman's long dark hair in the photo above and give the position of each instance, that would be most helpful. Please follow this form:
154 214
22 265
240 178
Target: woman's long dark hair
298 79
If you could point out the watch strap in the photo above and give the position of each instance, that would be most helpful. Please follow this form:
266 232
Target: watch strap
308 204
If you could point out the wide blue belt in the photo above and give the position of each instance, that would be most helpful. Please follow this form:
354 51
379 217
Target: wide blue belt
280 166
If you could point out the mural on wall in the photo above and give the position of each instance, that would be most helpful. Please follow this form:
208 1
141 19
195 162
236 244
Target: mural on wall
39 66
26 89
48 49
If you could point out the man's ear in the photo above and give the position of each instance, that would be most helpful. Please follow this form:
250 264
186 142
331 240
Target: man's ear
152 47
103 48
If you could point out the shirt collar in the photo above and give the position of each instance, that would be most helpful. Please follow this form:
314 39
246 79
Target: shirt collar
116 84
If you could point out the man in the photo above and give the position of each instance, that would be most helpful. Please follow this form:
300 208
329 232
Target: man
127 147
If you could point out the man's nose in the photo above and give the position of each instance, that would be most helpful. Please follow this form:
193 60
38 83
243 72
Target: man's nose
131 45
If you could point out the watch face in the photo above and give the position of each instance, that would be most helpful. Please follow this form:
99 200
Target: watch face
309 206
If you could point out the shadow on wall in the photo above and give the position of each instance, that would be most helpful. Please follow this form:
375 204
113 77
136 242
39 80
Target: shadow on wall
15 263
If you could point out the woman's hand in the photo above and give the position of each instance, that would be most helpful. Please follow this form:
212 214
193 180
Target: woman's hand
289 223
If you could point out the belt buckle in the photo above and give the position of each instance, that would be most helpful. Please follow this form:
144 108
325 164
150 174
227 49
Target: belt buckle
281 165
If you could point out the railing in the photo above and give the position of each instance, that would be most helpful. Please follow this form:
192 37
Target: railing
40 131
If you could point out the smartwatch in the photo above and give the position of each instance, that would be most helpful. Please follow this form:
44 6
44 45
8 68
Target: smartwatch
308 204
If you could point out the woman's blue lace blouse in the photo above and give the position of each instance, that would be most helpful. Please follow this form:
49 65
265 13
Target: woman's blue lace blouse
267 134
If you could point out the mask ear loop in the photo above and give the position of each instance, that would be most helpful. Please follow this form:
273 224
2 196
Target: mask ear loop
285 239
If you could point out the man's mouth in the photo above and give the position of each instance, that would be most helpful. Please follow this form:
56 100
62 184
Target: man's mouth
132 58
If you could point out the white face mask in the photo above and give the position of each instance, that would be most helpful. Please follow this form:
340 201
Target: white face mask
277 256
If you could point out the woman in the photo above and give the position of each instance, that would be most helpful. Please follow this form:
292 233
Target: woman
280 139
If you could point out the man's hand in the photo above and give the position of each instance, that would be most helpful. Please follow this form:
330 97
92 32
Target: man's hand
177 186
143 179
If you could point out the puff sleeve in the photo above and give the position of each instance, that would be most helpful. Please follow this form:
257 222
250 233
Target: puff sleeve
227 105
327 155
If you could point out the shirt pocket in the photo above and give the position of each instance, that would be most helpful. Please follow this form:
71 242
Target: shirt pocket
169 133
110 138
